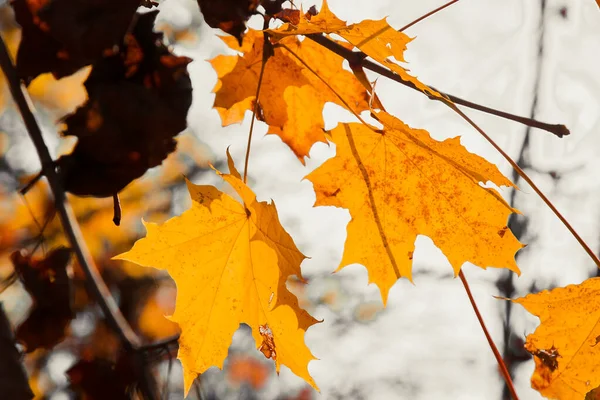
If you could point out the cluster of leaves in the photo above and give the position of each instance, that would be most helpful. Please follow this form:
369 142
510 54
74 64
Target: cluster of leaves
136 94
236 251
380 174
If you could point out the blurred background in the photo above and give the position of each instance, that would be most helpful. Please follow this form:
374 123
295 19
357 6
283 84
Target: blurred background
536 58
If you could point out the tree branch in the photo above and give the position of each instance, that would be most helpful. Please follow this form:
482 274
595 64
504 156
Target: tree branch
13 379
99 289
95 283
359 58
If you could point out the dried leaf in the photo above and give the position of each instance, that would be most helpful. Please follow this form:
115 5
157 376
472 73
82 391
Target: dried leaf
60 37
138 101
100 379
228 15
48 281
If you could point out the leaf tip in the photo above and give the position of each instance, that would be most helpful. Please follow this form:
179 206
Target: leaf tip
232 169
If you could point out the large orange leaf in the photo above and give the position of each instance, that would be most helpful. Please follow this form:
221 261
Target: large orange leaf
292 97
566 345
377 39
230 262
398 183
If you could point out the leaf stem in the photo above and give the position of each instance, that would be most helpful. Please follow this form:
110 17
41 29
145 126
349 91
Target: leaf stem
99 288
96 284
358 57
501 364
527 179
267 52
429 14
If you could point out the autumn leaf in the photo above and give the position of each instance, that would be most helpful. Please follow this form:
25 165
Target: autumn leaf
228 15
99 378
62 36
138 102
565 346
230 262
292 96
377 39
245 369
399 183
48 281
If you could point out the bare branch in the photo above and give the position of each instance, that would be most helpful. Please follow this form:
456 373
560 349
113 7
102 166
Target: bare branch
13 379
95 283
359 58
98 287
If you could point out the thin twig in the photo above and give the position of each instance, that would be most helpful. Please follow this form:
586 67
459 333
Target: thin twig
165 392
556 129
96 284
429 14
8 281
162 343
99 288
267 53
358 57
527 179
499 359
516 224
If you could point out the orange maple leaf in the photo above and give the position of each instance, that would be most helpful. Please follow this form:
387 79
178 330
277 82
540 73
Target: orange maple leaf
292 97
566 345
230 262
377 39
398 183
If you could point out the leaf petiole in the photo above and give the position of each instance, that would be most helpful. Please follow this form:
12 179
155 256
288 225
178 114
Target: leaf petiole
267 53
527 179
429 14
501 364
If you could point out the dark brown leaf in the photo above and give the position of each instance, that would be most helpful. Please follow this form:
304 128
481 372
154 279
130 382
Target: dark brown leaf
228 15
99 379
62 36
138 101
48 281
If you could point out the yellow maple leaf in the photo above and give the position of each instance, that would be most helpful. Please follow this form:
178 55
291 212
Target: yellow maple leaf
398 183
292 97
566 345
230 262
377 39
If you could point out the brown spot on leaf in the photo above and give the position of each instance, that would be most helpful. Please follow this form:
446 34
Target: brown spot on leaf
502 231
549 358
267 346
